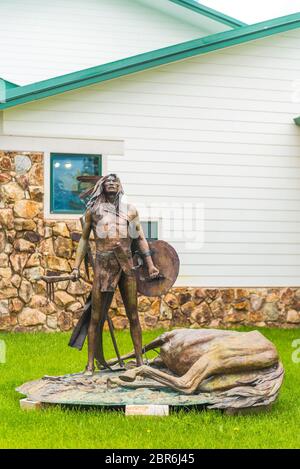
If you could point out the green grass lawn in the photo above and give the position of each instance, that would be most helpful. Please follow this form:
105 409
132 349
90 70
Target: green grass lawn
30 356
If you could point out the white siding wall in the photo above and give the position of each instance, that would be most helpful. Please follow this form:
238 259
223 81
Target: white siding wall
44 39
215 129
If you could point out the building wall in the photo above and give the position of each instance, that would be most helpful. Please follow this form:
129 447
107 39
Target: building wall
40 40
31 246
215 130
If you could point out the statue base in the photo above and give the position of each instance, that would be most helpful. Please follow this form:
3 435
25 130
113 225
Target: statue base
143 397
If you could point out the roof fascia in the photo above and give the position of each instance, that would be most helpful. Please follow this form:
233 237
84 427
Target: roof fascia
137 63
210 13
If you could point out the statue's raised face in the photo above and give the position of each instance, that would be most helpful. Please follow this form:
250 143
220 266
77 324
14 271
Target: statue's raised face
111 184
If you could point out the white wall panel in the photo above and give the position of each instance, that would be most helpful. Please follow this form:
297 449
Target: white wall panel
44 39
215 131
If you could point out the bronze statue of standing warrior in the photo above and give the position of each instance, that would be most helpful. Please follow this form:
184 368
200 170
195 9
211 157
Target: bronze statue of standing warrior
115 226
233 369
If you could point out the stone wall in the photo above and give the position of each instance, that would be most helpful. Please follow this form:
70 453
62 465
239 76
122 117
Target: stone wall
31 246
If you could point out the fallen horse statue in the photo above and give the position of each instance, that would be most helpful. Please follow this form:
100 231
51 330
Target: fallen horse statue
217 369
234 365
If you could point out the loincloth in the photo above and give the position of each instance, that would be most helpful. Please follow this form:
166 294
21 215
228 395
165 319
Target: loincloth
110 265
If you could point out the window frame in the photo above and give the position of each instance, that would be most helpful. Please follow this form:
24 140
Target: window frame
157 224
70 154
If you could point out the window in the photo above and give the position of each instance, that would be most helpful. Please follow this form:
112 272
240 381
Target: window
64 187
150 229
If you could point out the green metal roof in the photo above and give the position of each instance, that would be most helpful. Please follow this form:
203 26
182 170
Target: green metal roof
4 87
297 120
148 60
209 12
8 84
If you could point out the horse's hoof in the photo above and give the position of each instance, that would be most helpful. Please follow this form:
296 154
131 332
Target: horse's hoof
128 376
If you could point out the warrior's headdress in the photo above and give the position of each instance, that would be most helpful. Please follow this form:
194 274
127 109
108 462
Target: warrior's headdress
96 194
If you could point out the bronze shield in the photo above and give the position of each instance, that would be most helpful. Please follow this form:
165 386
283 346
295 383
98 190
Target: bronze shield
165 258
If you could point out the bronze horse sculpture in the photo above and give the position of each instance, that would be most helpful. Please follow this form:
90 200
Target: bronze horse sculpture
229 370
196 360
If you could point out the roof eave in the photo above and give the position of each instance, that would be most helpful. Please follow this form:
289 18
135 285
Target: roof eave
210 13
147 60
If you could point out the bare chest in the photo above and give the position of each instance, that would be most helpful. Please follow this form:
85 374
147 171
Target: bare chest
107 223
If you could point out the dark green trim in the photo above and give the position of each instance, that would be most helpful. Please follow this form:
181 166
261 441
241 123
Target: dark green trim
297 120
4 87
8 84
68 212
210 13
137 63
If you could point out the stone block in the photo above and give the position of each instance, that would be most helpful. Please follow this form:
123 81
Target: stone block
28 404
73 307
46 247
22 164
52 322
78 288
201 314
27 209
21 245
63 299
38 302
18 261
184 298
4 310
22 224
36 193
7 218
6 163
144 304
3 260
35 175
154 410
293 316
256 302
270 312
2 241
58 264
7 292
165 311
60 229
11 192
63 247
25 291
33 273
34 260
5 323
16 280
65 321
31 317
5 178
187 308
16 305
150 321
171 300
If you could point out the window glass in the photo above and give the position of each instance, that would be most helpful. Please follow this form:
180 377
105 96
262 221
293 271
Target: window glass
65 188
150 229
